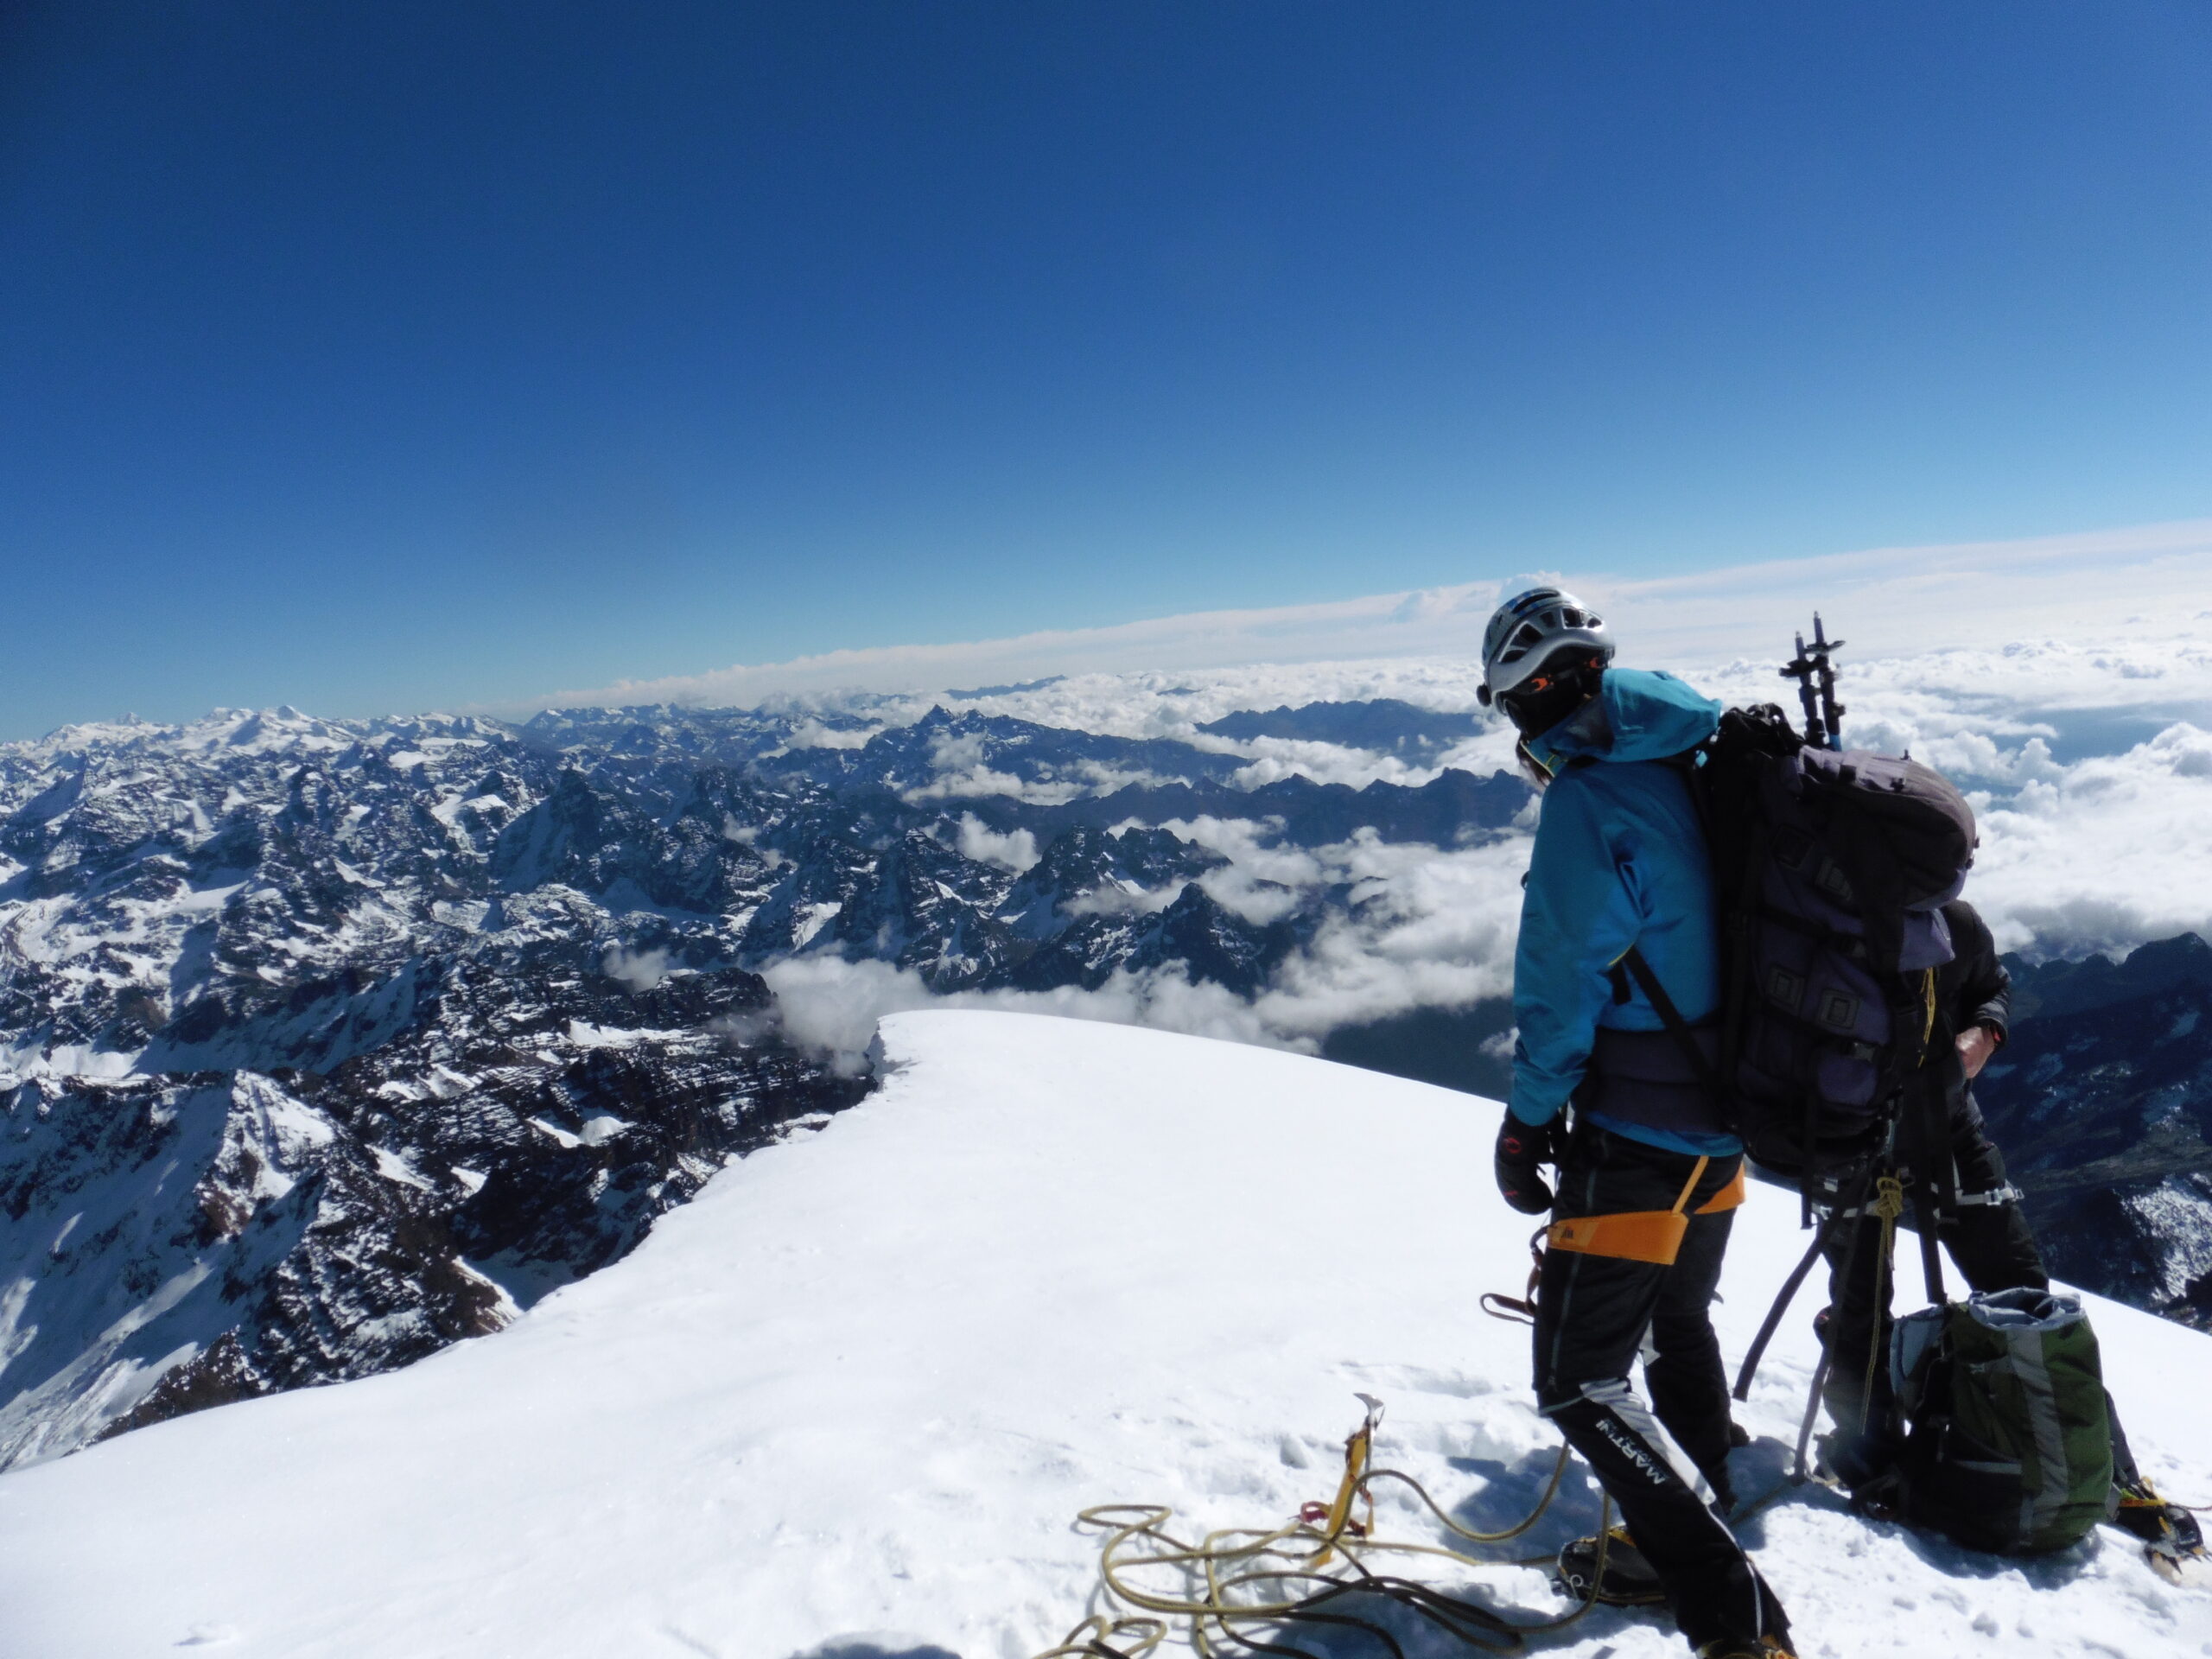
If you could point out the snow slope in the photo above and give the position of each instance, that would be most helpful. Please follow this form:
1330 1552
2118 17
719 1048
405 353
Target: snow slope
857 1389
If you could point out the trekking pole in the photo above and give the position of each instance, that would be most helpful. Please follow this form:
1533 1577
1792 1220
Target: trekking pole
1831 711
1800 1471
1789 1292
1816 677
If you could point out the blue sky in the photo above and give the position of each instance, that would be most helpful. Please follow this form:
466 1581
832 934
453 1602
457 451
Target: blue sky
383 357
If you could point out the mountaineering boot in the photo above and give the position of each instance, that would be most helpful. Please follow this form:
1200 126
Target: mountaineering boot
2172 1542
1864 1465
1738 1647
1628 1580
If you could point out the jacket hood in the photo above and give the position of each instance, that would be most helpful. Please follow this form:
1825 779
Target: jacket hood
1638 715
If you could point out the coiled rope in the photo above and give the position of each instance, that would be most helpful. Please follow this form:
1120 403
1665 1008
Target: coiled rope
1247 1588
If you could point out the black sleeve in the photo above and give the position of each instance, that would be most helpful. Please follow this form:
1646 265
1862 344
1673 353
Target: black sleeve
1984 995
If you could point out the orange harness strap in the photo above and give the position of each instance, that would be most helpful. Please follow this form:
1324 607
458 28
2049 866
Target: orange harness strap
1727 1198
1653 1236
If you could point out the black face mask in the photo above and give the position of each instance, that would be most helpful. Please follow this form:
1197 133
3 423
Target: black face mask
1552 693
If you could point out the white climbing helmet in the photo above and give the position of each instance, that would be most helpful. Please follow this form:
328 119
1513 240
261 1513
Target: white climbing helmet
1528 628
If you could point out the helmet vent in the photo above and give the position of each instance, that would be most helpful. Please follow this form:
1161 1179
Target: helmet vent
1526 629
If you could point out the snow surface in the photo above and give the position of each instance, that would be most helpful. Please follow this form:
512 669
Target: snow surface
857 1390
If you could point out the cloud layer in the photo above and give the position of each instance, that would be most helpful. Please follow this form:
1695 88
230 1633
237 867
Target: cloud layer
2114 584
2093 786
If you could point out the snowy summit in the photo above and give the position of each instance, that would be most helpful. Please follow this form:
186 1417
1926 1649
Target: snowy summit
857 1391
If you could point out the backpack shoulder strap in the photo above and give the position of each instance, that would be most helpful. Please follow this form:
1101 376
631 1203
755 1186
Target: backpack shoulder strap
1671 1017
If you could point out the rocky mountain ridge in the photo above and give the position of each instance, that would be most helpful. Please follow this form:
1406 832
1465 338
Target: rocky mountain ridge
323 1044
2102 1104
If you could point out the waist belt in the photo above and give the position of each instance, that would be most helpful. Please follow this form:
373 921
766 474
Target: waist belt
1646 1078
2005 1194
1653 1236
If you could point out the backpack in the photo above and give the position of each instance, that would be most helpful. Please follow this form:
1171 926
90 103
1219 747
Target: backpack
2008 1431
1829 868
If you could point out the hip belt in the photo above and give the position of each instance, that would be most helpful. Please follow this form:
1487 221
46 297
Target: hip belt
1653 1236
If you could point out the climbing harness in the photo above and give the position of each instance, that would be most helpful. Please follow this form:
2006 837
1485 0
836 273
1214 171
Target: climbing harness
1520 1309
1653 1236
1250 1589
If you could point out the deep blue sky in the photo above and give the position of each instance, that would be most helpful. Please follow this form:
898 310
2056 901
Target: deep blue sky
385 356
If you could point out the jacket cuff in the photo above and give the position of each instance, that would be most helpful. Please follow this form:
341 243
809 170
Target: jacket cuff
1528 1112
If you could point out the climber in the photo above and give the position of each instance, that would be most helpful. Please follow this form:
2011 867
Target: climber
1647 1176
1980 1223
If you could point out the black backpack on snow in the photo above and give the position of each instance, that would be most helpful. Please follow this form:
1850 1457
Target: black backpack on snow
2008 1443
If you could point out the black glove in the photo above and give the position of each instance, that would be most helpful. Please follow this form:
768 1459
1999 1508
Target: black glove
1521 1151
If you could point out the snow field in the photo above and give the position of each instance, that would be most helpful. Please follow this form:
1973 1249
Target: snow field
859 1389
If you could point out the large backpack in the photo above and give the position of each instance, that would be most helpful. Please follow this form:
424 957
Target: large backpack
1830 867
2008 1432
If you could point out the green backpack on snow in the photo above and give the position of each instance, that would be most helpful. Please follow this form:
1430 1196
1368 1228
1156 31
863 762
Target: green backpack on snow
2008 1443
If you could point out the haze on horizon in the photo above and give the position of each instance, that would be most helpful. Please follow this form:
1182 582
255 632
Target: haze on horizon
380 358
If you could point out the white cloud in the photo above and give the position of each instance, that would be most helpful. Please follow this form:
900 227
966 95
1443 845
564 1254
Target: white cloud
2111 852
640 971
1425 929
1016 851
813 735
1115 899
1899 600
2012 666
831 1006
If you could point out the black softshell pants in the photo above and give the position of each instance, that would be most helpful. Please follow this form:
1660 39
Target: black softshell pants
1594 1314
1987 1236
1993 1247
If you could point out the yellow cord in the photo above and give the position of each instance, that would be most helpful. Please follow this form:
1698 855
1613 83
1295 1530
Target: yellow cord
1237 1574
1889 1204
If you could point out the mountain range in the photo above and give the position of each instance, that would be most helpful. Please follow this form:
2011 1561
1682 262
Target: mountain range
325 1044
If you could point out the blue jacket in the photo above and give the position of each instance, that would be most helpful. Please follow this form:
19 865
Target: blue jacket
1620 860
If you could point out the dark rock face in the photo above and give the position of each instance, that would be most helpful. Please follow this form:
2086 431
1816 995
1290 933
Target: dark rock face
1384 725
2102 1102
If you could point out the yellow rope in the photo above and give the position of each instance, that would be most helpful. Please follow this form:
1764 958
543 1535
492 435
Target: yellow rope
1889 1204
1238 1574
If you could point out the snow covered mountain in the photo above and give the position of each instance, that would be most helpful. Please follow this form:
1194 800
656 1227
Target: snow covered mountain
302 1083
324 1043
2102 1102
851 1398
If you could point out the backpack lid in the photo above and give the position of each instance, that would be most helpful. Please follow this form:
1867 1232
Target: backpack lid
2024 1310
1915 839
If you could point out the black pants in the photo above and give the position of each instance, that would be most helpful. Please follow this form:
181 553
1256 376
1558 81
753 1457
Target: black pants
1992 1247
1593 1313
1986 1237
